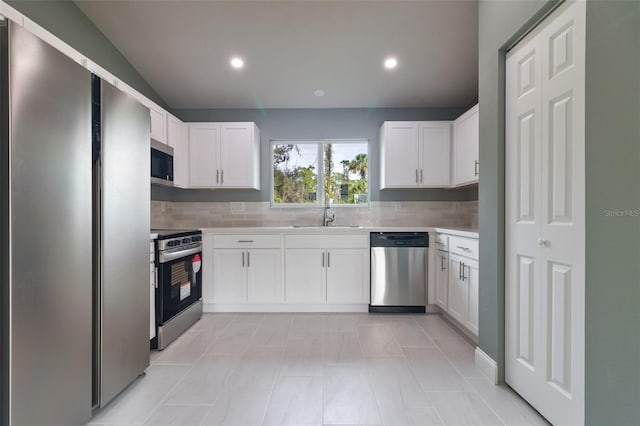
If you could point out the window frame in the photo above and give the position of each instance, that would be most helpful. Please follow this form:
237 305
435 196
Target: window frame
321 193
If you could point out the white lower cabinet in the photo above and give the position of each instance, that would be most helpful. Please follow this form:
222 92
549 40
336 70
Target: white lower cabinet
472 278
463 291
457 279
270 271
263 276
347 277
327 275
442 279
458 294
242 276
229 276
305 276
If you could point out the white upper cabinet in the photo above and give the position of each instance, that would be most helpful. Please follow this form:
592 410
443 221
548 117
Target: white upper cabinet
435 153
466 134
415 154
224 155
399 161
203 155
178 139
158 124
239 155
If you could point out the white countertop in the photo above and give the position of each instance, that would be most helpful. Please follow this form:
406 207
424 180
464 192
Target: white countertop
341 230
153 236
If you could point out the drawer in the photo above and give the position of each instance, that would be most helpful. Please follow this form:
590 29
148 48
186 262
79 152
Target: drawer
442 242
327 241
468 247
246 241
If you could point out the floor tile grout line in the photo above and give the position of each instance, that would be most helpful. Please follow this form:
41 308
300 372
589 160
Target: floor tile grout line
486 402
366 366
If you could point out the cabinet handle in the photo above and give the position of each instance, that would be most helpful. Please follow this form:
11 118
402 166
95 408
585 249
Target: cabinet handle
476 172
245 241
323 259
464 248
243 259
248 259
463 276
222 176
217 176
420 175
328 259
460 271
416 175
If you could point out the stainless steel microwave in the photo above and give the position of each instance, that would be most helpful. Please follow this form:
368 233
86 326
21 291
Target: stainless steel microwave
161 164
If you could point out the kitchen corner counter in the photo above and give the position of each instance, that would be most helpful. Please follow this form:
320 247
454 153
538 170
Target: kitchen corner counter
153 236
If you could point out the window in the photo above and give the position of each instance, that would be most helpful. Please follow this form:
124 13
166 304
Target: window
304 173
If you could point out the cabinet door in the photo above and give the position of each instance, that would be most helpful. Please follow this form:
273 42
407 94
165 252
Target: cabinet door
229 284
442 279
458 293
400 162
175 139
208 295
347 276
435 153
204 156
305 276
472 280
158 125
467 134
237 156
263 275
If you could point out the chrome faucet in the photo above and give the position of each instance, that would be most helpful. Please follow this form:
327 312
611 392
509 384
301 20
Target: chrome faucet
329 217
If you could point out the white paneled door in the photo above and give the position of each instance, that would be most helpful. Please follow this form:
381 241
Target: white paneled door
545 209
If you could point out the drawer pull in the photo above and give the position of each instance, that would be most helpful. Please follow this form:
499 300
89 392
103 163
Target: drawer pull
464 248
245 241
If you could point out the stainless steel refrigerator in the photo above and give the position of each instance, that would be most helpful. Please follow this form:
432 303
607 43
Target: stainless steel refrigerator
74 224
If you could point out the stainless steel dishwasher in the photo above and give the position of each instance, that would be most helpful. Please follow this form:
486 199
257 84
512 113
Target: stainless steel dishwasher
399 271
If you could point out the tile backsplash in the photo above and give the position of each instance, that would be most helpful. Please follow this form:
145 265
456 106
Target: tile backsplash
167 214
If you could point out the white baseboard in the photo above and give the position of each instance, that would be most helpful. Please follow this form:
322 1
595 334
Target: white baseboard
283 307
486 365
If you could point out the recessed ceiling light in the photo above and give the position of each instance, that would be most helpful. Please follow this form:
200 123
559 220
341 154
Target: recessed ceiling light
390 63
237 62
319 93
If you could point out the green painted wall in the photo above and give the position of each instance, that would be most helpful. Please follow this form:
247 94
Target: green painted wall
612 196
64 19
613 213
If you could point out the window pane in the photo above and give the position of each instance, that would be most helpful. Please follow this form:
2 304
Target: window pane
295 173
346 172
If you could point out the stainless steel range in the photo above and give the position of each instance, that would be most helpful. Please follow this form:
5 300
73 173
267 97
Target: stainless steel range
179 284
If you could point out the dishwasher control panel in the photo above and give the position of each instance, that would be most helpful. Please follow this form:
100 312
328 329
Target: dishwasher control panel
399 239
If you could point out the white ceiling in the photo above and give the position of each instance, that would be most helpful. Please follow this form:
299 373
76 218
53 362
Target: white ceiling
292 48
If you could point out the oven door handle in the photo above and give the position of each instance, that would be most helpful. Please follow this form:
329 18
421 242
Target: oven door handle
167 257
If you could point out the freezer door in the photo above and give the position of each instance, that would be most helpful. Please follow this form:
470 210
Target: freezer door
50 248
126 195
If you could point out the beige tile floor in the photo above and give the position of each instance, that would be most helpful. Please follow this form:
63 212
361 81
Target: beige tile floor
317 369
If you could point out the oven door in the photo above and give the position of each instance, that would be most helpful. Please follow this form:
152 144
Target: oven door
179 283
